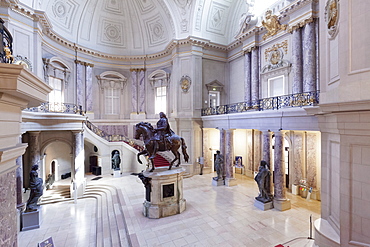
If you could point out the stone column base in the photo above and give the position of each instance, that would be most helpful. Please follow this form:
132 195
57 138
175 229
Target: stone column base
282 205
230 182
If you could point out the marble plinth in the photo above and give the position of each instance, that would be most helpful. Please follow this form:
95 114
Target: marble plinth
230 182
263 206
117 173
166 196
219 182
282 205
30 220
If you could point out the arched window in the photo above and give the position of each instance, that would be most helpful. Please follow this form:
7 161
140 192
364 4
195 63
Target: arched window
159 80
56 74
111 85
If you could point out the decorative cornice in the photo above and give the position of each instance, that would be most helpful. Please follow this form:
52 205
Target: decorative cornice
300 24
84 63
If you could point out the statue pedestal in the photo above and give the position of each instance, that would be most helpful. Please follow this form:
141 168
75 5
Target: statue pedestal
219 182
30 220
263 206
116 173
166 197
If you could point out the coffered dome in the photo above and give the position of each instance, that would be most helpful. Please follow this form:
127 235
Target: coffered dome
138 27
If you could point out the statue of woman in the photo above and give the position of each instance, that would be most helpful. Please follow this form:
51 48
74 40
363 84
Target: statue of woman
36 189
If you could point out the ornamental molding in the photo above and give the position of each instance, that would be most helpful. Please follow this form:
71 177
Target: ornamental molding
283 45
332 17
296 6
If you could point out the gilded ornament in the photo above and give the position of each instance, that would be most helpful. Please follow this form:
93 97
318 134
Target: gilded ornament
272 25
185 83
331 16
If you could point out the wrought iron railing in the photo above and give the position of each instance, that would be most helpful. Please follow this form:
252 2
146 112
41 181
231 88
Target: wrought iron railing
6 44
57 108
273 103
112 138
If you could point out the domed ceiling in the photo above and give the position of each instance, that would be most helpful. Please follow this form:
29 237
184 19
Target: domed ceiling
137 27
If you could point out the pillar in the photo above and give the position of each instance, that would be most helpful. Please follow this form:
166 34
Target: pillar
81 87
78 166
89 92
247 78
280 201
141 85
309 57
255 73
229 155
134 109
297 86
266 143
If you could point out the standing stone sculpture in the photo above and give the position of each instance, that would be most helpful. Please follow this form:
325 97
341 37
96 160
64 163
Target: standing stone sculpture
264 182
116 161
36 186
219 165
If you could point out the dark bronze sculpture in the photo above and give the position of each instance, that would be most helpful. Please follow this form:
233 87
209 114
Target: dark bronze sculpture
219 165
153 143
116 161
147 184
263 179
36 189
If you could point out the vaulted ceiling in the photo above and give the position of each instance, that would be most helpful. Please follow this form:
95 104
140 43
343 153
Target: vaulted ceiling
137 27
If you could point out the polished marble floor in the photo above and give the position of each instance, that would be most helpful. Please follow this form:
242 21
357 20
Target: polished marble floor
214 216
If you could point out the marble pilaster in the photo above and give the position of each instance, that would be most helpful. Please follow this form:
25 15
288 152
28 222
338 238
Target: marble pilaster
280 201
19 177
255 73
309 57
80 87
247 77
89 95
266 143
141 85
134 98
222 141
34 148
297 63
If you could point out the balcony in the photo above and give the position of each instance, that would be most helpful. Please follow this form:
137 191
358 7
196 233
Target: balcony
272 103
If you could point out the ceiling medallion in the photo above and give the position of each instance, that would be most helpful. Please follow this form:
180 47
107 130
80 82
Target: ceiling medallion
185 83
331 16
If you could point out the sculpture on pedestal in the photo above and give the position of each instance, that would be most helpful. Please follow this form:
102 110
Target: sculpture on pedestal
116 161
219 165
264 182
160 139
36 189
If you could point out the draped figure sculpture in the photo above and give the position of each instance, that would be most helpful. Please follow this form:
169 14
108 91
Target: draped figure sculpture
36 186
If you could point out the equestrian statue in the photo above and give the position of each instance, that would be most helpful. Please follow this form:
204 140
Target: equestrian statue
158 139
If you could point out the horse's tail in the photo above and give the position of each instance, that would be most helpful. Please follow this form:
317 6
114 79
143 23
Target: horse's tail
183 149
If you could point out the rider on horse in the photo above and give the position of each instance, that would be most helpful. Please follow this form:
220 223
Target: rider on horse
162 131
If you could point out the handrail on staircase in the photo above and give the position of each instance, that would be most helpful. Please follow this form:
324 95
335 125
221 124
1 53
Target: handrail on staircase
112 138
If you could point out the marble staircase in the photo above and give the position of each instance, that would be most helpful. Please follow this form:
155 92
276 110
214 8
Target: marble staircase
109 228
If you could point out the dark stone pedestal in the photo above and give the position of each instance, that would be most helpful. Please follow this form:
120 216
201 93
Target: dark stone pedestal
30 220
263 206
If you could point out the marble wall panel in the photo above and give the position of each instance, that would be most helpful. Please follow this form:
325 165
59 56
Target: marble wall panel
296 166
257 143
8 213
311 159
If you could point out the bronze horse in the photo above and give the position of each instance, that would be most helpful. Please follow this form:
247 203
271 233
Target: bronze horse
147 131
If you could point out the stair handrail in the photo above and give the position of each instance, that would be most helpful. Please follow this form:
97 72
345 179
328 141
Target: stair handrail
112 138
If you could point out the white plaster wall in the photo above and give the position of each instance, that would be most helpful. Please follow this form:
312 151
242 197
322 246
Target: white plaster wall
236 93
62 153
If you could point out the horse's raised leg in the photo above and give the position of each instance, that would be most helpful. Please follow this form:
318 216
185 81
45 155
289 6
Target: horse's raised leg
141 153
153 167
